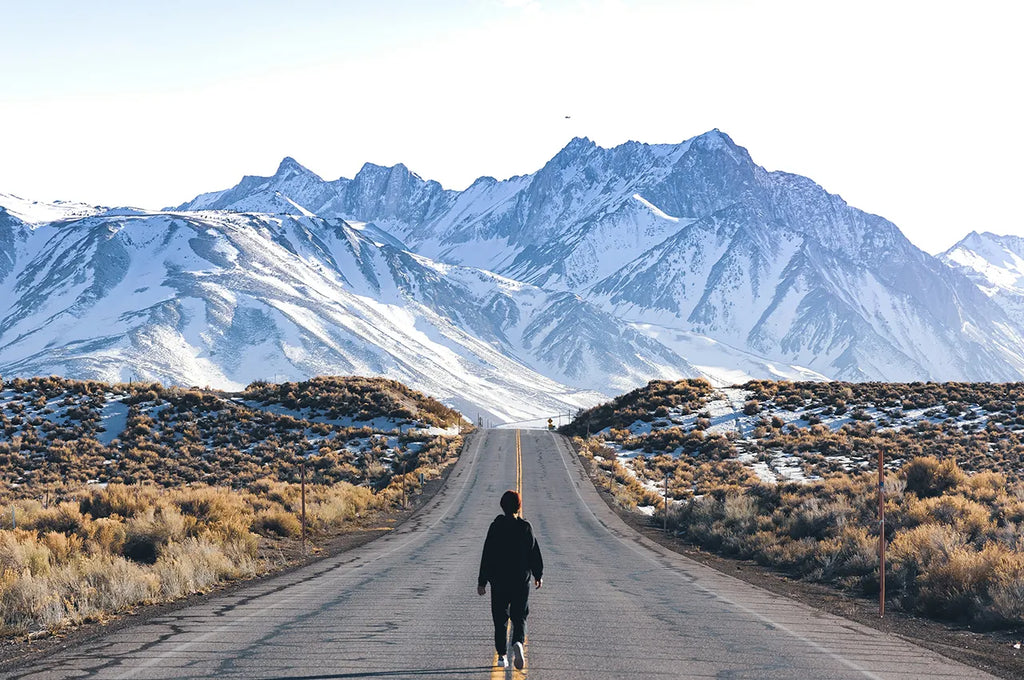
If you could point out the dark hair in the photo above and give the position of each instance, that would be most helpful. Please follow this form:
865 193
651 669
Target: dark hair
510 502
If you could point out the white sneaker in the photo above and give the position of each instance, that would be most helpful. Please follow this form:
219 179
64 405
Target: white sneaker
518 656
502 662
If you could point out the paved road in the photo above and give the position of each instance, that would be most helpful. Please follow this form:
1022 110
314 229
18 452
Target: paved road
613 604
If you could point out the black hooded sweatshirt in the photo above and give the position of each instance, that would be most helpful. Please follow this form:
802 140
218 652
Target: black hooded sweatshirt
511 553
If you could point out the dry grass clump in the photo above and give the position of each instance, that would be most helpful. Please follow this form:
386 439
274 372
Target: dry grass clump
121 546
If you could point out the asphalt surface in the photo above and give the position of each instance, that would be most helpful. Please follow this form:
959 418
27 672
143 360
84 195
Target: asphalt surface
613 604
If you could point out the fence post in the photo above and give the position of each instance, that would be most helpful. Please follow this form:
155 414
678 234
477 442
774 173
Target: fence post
665 519
303 469
881 533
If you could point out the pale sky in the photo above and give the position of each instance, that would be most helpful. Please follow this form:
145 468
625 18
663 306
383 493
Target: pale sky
910 110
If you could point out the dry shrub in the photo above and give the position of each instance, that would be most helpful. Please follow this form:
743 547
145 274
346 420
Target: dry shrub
854 552
194 565
957 587
1007 590
62 547
797 555
100 584
28 601
277 522
25 511
625 500
922 545
987 486
116 547
965 516
119 499
815 518
330 507
740 513
106 536
64 518
927 476
216 510
275 491
21 552
150 531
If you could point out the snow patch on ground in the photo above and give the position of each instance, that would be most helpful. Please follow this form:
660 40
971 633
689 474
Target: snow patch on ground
113 420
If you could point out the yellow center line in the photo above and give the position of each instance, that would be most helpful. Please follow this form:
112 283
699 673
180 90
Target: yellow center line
519 470
522 504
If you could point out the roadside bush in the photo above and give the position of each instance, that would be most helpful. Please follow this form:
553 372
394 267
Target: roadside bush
1007 590
277 523
927 476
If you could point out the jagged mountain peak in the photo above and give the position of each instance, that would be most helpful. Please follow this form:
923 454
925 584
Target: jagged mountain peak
397 170
715 136
995 262
987 238
578 144
289 168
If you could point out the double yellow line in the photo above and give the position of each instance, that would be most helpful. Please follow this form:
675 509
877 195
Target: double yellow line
498 673
519 471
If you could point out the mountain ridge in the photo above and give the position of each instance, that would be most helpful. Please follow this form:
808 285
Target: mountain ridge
603 269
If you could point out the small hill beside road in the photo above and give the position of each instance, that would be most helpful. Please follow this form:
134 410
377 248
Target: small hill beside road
124 494
786 474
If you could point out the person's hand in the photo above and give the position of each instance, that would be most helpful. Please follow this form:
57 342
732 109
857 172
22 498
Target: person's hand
481 590
538 582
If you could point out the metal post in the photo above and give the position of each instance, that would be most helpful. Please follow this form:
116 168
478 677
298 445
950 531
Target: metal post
14 519
303 469
665 519
881 534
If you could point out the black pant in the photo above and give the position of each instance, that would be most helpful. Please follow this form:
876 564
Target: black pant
509 600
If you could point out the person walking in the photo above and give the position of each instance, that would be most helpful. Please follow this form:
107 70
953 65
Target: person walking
510 556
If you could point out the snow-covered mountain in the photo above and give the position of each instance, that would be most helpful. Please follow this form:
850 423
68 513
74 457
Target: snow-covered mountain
224 298
516 298
693 238
996 265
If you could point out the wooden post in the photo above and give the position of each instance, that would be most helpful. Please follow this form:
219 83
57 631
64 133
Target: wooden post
881 533
665 519
303 473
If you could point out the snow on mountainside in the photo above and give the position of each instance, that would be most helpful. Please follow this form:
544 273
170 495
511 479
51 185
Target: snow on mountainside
996 265
224 298
41 212
993 262
515 298
13 233
695 238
